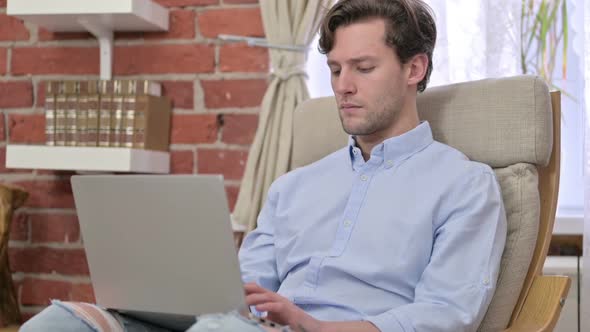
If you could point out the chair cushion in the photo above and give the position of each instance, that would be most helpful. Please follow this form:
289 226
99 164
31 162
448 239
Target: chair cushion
519 185
498 122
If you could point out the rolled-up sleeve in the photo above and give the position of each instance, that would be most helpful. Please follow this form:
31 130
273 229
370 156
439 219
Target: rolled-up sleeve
257 254
458 283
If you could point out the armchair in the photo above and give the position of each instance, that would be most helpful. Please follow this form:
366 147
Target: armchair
513 125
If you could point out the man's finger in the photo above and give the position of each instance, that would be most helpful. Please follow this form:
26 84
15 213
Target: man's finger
254 288
254 299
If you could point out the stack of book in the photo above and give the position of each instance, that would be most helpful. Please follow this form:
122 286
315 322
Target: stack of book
114 113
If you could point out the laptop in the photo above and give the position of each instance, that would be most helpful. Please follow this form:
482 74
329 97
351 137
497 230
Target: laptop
159 247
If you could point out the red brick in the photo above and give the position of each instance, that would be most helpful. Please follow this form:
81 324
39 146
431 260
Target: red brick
2 3
48 260
16 94
234 93
243 58
163 59
19 228
2 132
27 128
182 26
239 21
55 60
12 28
40 292
230 163
182 162
82 293
239 128
3 60
232 196
40 102
46 35
194 128
48 193
181 93
62 228
182 3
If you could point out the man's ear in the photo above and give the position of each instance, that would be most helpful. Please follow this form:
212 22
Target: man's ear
418 66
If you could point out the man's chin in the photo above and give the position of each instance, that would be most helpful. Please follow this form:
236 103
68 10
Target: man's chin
354 131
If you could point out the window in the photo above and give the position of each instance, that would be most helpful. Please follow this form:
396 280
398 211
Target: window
479 39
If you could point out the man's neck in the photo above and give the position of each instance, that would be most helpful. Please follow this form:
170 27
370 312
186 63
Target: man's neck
402 125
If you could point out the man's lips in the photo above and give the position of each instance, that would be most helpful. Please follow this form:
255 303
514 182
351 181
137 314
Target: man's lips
349 105
349 108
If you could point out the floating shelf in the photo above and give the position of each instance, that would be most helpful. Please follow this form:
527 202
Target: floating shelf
99 159
101 18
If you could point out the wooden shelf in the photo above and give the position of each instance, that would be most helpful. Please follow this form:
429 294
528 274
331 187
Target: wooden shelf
99 17
72 15
98 159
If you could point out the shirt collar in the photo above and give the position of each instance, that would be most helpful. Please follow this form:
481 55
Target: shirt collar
394 149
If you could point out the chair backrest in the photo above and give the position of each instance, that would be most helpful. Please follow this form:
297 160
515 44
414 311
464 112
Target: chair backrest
506 123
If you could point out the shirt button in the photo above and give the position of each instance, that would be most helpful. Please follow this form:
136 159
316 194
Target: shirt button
364 177
347 223
486 281
389 163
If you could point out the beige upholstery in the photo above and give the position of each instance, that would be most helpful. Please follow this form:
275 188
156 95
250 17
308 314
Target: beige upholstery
505 123
495 121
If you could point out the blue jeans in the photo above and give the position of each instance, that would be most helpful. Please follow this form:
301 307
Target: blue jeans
58 318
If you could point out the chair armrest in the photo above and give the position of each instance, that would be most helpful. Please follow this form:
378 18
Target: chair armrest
13 328
542 305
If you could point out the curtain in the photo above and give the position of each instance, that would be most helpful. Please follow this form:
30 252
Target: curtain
476 39
286 22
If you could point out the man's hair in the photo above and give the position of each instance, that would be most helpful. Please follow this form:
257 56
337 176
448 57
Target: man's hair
410 26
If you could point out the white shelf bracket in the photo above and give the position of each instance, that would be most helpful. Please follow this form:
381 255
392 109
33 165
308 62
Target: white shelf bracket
105 42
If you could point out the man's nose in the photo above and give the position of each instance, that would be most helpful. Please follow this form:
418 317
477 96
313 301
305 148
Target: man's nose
344 83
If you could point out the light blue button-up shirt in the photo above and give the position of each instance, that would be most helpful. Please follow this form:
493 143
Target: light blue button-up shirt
409 240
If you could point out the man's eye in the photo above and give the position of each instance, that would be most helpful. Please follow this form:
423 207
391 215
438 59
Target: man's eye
366 69
335 72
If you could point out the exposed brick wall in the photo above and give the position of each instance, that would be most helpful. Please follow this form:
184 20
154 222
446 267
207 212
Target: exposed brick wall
216 89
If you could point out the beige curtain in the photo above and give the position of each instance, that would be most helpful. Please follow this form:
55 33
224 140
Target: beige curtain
286 22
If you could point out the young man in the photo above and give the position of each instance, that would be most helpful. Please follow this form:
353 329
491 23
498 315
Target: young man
394 232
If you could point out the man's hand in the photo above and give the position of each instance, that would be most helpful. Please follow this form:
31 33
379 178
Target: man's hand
280 309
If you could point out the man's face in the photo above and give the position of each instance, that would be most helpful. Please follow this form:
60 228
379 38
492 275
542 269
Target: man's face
367 78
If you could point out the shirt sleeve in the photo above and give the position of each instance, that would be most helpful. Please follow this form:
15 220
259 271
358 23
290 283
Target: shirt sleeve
257 254
458 283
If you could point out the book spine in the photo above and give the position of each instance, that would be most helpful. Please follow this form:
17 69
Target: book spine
50 119
104 120
93 120
116 121
82 121
139 129
71 119
151 88
128 121
60 120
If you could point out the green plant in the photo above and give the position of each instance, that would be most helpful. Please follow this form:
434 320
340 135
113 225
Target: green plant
544 28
